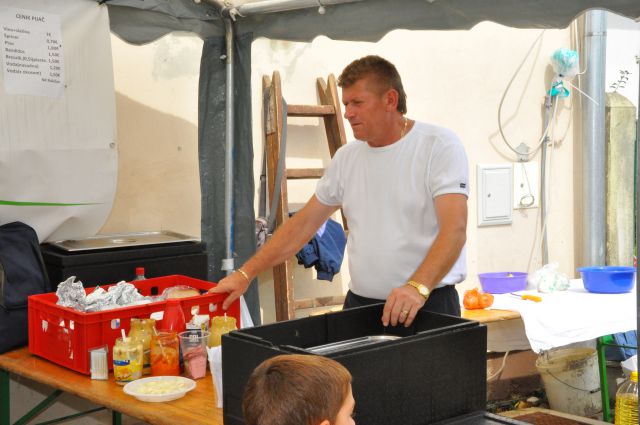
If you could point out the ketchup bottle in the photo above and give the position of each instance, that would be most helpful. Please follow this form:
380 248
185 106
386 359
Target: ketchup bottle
173 318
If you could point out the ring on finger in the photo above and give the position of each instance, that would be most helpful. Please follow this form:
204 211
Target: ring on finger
404 312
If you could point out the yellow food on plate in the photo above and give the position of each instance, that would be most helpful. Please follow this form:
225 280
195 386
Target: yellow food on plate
161 387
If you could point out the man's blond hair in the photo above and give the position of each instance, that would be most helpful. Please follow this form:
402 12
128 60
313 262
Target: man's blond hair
383 71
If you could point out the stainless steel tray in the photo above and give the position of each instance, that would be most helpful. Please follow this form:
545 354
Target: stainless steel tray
121 240
351 343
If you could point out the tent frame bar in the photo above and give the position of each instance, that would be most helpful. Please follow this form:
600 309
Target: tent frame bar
273 6
225 13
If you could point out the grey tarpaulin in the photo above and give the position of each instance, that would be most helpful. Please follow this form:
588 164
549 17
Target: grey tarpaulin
211 152
138 26
367 20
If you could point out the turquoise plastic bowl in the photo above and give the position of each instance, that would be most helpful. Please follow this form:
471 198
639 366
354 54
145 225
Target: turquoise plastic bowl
608 279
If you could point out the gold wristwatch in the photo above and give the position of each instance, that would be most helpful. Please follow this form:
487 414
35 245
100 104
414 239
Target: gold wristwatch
422 289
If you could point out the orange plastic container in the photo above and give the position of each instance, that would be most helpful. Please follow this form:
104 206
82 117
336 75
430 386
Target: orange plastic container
65 336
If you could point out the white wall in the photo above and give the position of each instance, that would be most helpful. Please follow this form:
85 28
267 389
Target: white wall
157 113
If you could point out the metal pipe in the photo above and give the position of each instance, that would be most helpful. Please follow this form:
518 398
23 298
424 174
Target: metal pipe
593 141
270 6
227 262
548 103
637 183
227 18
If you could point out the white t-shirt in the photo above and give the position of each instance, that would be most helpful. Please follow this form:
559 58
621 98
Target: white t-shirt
387 195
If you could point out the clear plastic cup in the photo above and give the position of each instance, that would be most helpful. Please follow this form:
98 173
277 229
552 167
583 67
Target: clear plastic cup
193 344
165 353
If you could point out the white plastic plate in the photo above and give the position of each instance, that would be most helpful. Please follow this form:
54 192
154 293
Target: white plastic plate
165 388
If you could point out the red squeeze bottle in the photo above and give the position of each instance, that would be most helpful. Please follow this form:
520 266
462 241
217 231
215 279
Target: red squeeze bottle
173 318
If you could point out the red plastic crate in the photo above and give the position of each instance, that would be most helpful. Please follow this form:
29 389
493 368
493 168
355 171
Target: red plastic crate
64 335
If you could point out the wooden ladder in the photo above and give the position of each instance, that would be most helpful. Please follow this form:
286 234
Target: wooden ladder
329 109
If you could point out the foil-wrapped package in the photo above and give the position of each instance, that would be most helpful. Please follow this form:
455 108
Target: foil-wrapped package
72 294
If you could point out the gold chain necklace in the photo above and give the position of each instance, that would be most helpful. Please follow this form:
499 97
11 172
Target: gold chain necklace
404 127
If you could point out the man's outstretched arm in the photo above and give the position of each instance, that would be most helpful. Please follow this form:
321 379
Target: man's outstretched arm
284 244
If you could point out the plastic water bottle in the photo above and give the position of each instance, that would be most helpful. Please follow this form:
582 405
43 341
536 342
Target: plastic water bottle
627 402
139 273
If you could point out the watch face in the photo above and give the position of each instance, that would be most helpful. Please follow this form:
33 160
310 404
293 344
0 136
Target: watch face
423 290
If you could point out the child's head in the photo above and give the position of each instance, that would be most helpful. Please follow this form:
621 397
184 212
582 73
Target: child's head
299 390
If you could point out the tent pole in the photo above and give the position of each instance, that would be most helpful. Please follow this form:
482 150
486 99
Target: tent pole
593 141
227 262
270 6
637 183
225 14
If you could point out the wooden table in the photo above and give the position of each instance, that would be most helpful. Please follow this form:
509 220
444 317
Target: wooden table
195 408
487 316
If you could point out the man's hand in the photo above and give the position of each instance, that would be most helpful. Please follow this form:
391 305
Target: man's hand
402 306
235 284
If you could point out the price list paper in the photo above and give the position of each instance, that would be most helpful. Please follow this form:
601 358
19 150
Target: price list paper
32 57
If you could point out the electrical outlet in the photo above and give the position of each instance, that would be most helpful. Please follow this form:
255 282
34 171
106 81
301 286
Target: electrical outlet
526 186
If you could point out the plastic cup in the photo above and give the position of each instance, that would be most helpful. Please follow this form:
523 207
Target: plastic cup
193 344
165 353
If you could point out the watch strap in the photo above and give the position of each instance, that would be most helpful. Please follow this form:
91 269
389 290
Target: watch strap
422 289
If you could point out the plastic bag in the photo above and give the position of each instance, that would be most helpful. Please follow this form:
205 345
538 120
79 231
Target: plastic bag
215 363
245 316
549 279
179 291
630 365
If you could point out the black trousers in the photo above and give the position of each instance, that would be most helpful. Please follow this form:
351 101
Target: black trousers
441 300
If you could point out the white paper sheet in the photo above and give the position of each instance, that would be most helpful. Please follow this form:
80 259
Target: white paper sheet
58 153
32 51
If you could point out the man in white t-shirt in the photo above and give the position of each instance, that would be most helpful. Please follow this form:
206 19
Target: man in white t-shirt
403 187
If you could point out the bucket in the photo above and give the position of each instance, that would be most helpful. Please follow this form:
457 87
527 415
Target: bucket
571 380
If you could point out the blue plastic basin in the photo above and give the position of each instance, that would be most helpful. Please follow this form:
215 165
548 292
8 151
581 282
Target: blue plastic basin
503 282
608 279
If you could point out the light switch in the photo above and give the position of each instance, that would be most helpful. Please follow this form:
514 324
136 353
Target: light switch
494 194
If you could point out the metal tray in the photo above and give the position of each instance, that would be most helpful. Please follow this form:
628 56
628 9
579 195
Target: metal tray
351 343
121 240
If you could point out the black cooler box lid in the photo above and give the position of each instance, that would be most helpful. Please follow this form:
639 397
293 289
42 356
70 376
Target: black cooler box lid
59 257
